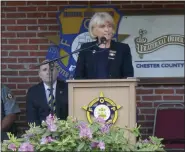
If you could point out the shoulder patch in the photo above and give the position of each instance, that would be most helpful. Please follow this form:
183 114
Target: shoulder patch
9 96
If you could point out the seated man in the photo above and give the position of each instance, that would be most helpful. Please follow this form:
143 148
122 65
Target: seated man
9 109
40 103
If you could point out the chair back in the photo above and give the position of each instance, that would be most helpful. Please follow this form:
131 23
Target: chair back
169 124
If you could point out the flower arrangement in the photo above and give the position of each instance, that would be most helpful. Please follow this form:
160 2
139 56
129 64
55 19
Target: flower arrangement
76 135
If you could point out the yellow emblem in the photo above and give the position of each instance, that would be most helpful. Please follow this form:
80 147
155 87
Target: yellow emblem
102 107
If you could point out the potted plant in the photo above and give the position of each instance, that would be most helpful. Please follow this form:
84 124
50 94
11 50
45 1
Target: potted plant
76 135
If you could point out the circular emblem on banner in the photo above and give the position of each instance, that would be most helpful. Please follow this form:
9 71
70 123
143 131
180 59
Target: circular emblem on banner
102 107
81 38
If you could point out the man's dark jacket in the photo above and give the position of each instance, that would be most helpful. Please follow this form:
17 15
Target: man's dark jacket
37 108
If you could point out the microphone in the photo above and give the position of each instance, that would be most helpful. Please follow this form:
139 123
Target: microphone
103 40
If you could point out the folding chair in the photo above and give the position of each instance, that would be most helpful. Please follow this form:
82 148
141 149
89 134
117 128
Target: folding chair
169 125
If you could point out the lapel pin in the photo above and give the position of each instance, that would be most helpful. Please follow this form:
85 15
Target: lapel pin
112 54
94 51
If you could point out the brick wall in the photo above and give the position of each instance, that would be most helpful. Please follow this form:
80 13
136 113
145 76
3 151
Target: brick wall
24 27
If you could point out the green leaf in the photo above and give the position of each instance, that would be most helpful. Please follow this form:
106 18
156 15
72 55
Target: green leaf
51 147
43 148
80 146
47 133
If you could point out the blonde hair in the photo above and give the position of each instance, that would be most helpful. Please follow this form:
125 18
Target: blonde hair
100 18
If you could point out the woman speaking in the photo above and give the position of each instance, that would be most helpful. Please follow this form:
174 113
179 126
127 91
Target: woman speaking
109 59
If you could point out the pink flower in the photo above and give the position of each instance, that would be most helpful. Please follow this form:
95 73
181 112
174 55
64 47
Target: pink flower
50 139
52 127
97 144
105 128
26 147
146 141
85 133
101 145
94 144
100 120
46 140
50 121
82 125
12 147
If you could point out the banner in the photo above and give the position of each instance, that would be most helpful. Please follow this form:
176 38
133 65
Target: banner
74 23
157 44
156 41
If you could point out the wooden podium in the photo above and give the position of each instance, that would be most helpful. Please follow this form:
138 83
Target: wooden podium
83 93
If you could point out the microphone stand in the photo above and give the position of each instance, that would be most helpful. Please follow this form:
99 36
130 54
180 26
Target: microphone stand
52 64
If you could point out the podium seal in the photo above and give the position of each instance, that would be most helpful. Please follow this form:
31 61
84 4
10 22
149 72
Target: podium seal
102 107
